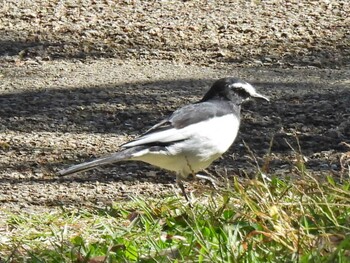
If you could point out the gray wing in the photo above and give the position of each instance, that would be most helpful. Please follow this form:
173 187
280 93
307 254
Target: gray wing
174 128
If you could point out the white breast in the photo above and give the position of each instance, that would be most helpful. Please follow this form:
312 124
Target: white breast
205 142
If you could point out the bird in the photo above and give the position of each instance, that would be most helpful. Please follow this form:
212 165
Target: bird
190 138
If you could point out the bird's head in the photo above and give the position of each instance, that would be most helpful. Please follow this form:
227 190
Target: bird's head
232 89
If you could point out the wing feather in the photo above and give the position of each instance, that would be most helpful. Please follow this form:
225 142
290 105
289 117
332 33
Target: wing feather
173 129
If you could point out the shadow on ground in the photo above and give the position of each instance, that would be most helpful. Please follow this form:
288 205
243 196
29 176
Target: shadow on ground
318 118
333 55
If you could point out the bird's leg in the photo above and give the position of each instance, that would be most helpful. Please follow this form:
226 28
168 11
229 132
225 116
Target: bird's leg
181 186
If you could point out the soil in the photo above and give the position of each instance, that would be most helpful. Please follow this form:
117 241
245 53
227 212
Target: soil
78 80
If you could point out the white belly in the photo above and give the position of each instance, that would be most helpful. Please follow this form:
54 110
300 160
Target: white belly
199 150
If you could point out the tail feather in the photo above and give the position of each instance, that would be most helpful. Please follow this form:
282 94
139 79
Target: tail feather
116 157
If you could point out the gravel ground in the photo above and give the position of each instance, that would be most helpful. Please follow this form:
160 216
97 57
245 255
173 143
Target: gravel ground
281 33
77 80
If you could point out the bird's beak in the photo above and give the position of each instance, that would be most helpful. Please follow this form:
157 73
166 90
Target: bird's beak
259 96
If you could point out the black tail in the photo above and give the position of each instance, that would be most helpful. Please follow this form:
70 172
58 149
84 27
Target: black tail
116 157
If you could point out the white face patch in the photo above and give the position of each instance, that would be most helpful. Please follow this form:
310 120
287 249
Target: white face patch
249 89
246 86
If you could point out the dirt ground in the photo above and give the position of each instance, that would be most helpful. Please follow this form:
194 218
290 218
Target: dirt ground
77 80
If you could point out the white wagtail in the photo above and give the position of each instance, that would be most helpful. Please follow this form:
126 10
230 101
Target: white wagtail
191 138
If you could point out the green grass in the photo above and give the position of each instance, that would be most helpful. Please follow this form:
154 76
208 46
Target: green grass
247 220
